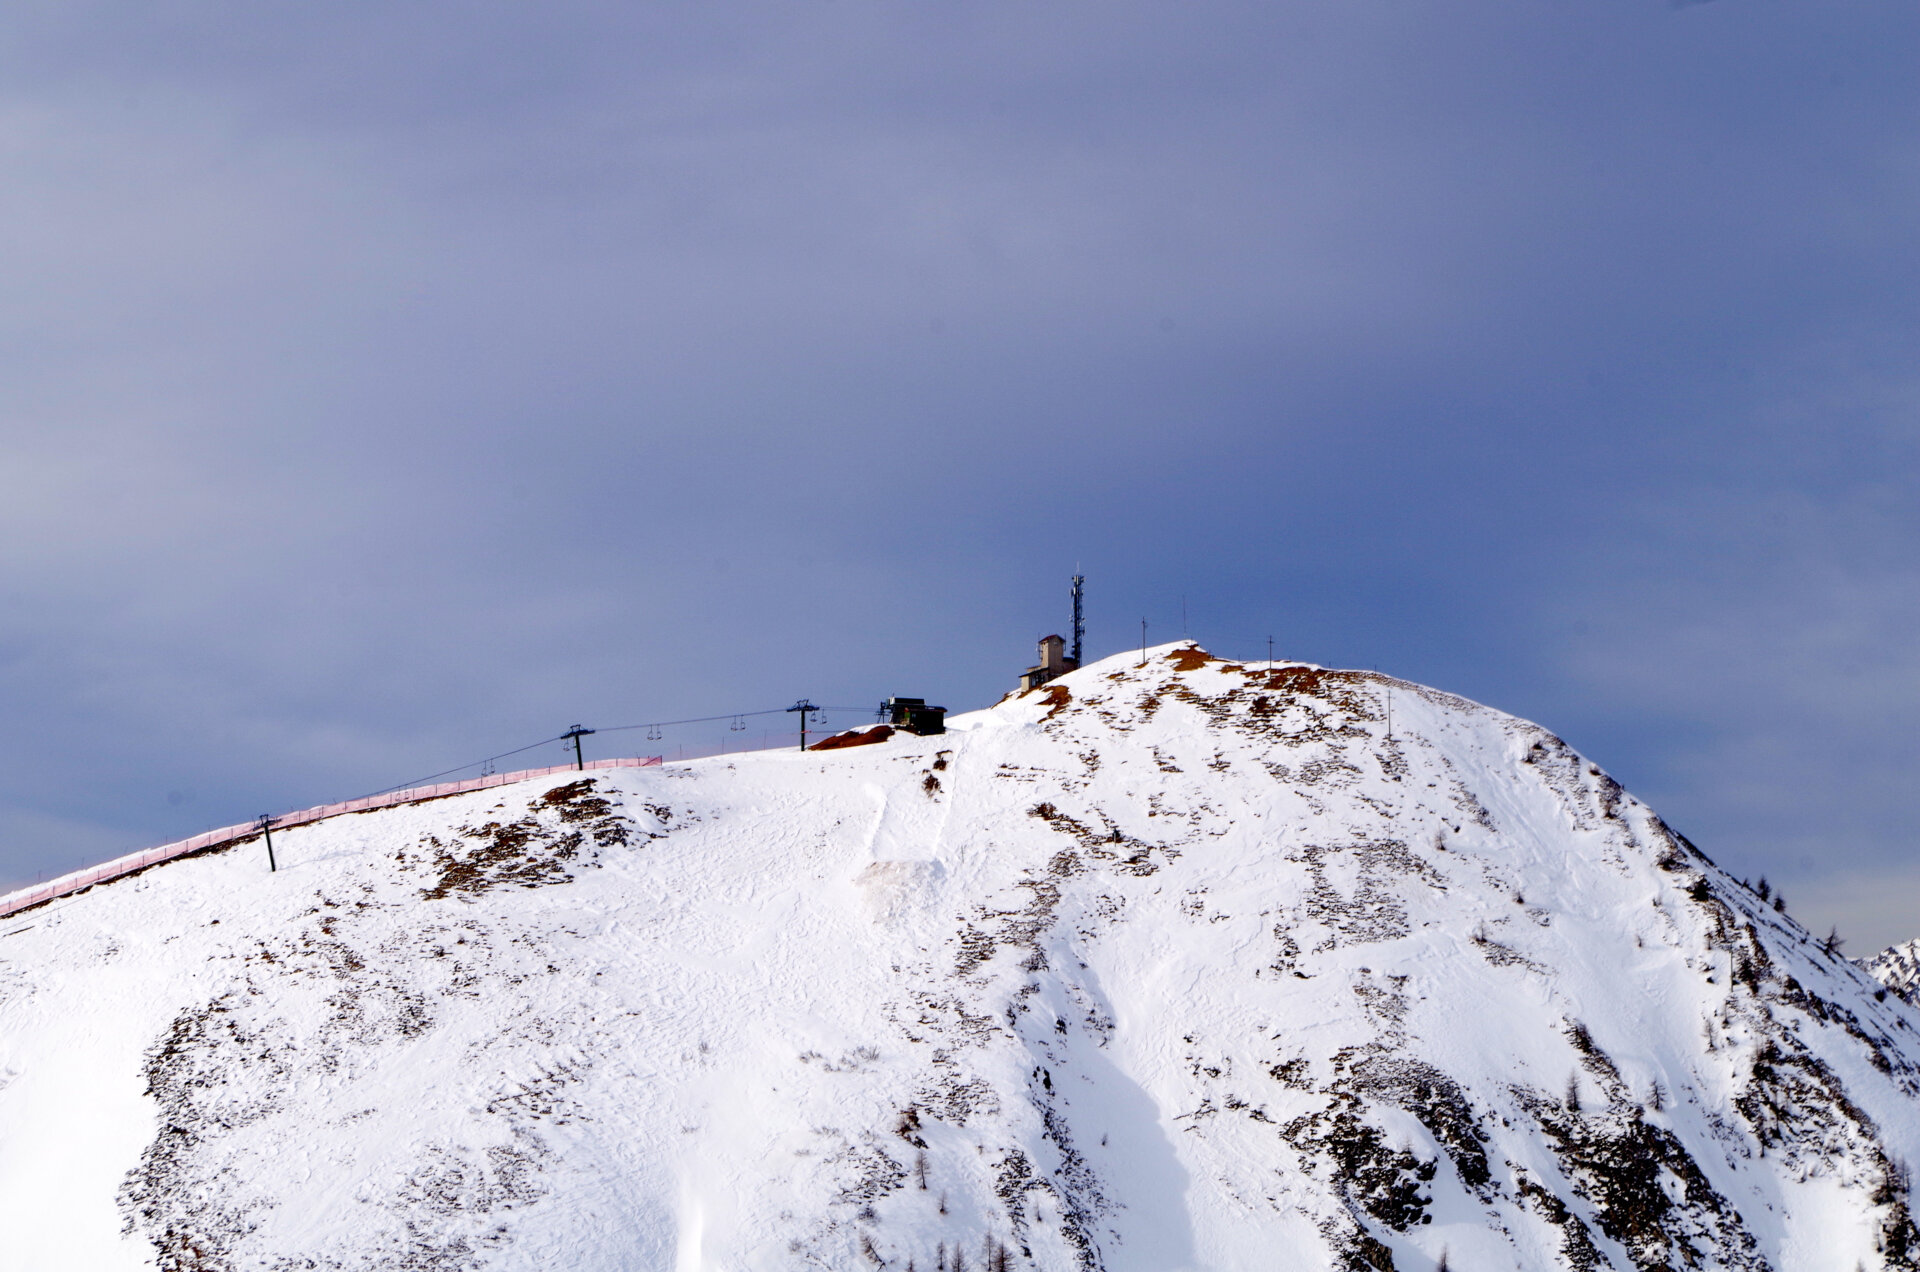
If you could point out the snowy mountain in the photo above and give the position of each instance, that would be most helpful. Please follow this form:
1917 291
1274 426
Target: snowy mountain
1898 968
1176 964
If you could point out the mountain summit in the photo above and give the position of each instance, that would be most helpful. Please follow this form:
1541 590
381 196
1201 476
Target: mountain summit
1167 963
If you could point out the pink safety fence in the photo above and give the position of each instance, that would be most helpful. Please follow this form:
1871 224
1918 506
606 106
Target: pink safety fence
71 883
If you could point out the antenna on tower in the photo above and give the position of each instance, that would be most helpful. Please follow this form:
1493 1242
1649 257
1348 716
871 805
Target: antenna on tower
1079 627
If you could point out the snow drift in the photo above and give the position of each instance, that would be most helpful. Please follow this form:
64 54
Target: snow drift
1176 964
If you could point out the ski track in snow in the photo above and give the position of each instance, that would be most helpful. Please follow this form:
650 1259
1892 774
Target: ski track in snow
1174 964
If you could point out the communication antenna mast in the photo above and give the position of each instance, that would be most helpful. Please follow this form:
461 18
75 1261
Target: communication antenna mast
1079 628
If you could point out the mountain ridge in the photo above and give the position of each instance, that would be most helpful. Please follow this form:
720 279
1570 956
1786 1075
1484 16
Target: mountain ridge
1173 962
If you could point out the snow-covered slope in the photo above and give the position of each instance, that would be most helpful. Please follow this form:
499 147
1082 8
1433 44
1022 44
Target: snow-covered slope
1898 968
1188 964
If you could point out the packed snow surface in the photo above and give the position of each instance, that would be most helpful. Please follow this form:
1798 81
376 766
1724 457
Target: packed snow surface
1181 963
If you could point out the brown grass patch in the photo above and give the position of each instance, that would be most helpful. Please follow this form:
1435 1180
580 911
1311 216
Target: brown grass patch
854 737
1312 681
529 852
1190 658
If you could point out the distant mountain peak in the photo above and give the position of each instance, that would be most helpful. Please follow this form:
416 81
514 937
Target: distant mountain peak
1898 968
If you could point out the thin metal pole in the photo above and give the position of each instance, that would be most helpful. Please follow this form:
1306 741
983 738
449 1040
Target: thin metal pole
1143 642
1269 653
266 829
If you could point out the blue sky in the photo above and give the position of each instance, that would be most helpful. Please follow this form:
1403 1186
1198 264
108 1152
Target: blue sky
385 385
